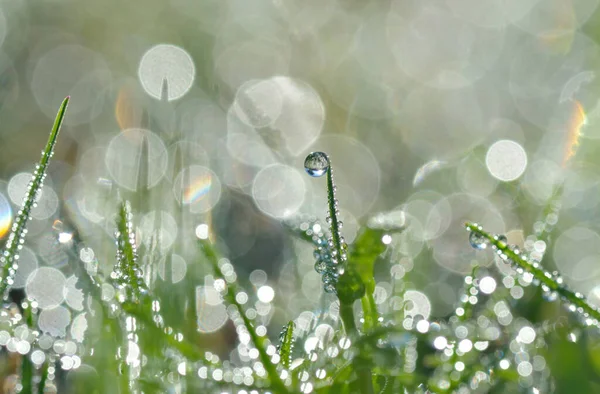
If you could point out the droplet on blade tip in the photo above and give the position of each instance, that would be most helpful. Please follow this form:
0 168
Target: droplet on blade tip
316 164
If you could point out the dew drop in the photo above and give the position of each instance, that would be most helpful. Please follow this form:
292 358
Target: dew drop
316 164
477 241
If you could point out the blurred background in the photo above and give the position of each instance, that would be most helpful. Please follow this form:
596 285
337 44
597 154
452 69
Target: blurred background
202 112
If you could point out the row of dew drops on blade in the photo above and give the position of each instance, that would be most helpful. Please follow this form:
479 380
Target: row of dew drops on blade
328 263
533 263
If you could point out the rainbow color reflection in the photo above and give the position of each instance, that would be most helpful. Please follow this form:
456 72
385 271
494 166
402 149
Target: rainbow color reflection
5 216
197 190
577 121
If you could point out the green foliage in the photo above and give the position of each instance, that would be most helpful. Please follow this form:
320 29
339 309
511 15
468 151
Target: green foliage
379 350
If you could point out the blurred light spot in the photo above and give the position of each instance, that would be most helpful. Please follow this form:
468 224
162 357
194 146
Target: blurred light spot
108 292
73 70
134 153
45 286
426 169
574 84
555 18
422 326
178 268
198 188
5 216
357 174
279 190
450 214
506 160
258 103
38 357
252 59
28 263
524 368
258 277
440 343
265 294
166 67
434 56
212 314
54 321
79 327
465 345
73 295
416 304
202 231
541 75
576 253
47 200
504 364
526 335
324 332
295 121
487 285
577 121
491 13
159 227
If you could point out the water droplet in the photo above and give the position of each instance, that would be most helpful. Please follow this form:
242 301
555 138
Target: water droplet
320 266
316 164
477 241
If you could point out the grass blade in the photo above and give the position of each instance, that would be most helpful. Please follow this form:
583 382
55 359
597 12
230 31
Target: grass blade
14 243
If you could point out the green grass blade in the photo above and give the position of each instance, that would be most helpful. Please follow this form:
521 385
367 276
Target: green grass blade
127 274
229 295
9 259
286 344
576 301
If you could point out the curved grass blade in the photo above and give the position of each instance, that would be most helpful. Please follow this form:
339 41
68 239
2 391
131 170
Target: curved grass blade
9 260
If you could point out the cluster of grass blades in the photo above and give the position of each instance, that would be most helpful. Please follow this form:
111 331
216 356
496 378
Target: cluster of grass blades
377 349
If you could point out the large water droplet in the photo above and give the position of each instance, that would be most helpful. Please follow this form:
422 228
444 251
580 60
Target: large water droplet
316 164
477 241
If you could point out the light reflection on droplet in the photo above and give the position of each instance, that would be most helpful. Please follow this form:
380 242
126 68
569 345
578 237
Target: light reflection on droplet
168 65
